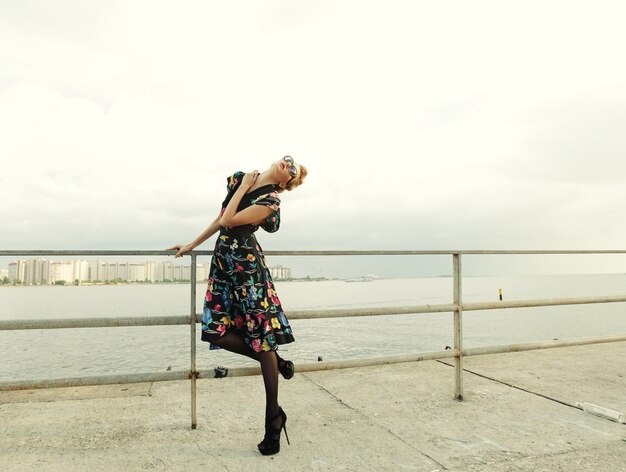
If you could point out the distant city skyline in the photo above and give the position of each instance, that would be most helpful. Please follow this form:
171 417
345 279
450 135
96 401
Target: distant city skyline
41 271
421 266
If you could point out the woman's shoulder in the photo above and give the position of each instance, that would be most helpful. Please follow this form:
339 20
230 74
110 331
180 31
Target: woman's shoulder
234 179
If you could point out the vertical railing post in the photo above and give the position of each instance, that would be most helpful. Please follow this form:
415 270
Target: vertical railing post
193 373
458 327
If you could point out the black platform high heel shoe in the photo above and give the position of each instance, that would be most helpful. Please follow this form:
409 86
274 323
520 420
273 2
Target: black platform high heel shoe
271 440
286 368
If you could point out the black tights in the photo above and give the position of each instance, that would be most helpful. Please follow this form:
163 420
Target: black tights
269 367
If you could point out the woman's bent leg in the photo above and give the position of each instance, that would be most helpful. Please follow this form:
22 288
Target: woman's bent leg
234 343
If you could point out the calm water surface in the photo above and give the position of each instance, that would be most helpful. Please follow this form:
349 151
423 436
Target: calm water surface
92 351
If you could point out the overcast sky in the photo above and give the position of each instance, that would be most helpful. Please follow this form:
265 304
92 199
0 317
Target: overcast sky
424 125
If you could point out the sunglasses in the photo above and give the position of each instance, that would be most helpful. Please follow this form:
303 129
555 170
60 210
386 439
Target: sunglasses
293 171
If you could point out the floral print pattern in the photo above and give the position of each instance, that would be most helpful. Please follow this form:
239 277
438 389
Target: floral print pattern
241 295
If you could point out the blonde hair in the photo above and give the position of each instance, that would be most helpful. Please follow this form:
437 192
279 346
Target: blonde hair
295 182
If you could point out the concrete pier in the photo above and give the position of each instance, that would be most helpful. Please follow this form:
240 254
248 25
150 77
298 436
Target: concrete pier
519 414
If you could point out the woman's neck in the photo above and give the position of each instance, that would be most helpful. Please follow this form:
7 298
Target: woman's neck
265 178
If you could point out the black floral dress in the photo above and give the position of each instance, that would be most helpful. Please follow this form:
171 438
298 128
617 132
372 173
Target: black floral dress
240 295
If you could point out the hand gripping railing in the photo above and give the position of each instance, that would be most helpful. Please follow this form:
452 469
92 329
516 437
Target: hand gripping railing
457 307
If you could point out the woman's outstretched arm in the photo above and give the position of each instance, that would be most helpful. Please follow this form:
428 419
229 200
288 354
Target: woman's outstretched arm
213 228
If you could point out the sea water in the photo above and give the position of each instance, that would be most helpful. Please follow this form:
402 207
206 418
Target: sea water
30 354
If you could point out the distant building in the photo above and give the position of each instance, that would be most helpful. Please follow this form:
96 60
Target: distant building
17 270
82 271
202 273
61 270
279 272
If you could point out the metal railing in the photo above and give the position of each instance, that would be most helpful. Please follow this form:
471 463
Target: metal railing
457 307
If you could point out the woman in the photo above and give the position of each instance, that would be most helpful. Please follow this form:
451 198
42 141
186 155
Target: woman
242 312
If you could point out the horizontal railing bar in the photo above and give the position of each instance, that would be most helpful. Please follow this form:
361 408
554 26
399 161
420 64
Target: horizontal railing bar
300 367
401 310
374 311
64 323
479 351
383 252
542 302
89 252
211 373
96 380
403 252
342 364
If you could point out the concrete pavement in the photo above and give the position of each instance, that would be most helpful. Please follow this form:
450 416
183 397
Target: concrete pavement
515 417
